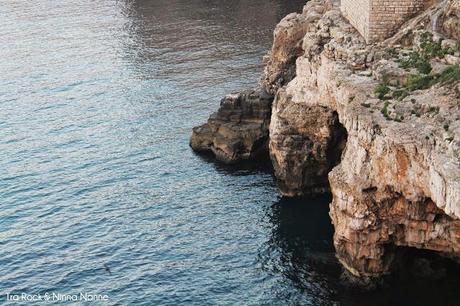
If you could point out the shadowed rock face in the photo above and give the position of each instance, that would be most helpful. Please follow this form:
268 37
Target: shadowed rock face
238 130
366 245
306 142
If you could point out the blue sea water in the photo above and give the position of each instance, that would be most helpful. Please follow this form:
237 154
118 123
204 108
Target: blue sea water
99 191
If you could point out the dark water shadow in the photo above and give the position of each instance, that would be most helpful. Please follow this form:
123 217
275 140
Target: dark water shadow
422 278
300 248
262 165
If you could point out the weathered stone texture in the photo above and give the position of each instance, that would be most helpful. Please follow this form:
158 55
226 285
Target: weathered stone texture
238 130
393 166
450 20
287 44
306 142
398 182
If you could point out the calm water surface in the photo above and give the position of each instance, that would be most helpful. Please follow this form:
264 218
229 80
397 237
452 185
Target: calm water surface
99 191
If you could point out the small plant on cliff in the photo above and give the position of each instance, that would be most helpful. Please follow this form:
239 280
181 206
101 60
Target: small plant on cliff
449 75
400 94
431 48
415 82
384 110
381 90
434 110
415 60
391 52
428 49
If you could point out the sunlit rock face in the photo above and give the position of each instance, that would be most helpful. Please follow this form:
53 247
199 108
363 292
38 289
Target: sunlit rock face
287 44
397 182
238 130
450 21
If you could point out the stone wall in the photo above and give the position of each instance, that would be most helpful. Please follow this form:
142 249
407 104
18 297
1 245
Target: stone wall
358 13
380 19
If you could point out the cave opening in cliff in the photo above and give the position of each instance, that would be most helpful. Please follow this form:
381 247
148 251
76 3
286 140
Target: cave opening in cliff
337 143
411 264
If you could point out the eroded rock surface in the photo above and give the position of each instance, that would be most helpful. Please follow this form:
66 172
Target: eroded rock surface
306 142
451 19
398 182
238 130
287 44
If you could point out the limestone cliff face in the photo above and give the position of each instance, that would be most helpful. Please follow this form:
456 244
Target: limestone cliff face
398 182
377 125
287 44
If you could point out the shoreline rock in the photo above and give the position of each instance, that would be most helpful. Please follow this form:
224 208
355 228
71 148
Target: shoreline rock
238 130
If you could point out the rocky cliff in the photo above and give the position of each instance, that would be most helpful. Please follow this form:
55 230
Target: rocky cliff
377 125
238 131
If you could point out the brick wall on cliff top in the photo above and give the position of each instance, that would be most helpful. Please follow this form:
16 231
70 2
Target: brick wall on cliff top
380 19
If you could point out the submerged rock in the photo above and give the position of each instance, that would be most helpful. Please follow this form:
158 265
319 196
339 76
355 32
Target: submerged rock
238 130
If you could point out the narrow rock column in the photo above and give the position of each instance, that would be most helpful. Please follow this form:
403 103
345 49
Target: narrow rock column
306 142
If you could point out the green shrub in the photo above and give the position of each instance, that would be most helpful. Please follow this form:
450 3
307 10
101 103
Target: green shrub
400 94
424 66
381 90
415 60
415 82
449 75
384 110
391 52
431 48
428 49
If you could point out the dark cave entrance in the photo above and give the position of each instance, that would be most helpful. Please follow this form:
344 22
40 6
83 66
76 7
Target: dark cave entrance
413 265
337 143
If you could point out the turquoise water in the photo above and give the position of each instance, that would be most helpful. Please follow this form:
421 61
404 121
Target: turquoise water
99 191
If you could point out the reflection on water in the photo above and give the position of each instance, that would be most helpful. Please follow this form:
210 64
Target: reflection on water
216 40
